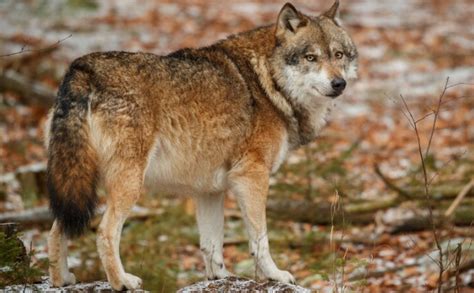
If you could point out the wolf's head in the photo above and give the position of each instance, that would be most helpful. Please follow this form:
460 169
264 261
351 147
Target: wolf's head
314 56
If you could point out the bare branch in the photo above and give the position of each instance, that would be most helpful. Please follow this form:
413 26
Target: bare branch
445 101
411 118
458 84
24 50
413 122
31 92
390 184
436 114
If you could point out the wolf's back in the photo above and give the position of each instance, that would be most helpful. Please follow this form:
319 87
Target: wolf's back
72 172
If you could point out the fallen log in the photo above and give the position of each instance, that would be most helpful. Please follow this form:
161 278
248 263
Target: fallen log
42 216
437 192
361 214
320 213
285 210
463 216
30 92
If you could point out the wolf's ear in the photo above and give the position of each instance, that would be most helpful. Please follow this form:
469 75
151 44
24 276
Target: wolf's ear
289 19
333 12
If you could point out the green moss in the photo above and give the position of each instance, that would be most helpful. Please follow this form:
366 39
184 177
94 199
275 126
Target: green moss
15 263
83 4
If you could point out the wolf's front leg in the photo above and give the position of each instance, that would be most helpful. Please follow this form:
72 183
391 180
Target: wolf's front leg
250 186
210 219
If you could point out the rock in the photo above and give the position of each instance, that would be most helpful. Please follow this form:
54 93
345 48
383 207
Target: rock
45 286
229 284
234 284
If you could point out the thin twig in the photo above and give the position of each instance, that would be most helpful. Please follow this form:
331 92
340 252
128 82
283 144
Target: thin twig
446 101
401 109
343 230
410 119
458 84
436 115
24 50
405 194
334 207
459 198
436 174
417 246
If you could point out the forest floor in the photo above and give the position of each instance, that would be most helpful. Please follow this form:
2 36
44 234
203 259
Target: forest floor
406 48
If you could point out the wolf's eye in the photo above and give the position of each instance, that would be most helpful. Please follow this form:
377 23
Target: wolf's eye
310 57
339 55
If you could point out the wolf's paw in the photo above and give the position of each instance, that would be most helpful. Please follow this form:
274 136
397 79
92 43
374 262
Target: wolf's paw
69 279
63 279
282 276
219 274
126 282
132 282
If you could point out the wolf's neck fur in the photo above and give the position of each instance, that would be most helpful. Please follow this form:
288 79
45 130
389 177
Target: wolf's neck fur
304 120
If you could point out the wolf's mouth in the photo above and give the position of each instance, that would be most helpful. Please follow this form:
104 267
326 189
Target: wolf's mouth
333 94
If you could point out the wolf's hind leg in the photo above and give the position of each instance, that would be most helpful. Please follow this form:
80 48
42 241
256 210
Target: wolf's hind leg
123 191
59 274
210 219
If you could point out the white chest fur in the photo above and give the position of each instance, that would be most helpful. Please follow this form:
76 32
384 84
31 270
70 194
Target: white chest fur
282 152
319 112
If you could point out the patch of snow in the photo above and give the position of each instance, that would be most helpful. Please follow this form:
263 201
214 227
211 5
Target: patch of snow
354 110
373 52
249 8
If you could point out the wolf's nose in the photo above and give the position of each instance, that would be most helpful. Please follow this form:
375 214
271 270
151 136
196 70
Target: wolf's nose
338 84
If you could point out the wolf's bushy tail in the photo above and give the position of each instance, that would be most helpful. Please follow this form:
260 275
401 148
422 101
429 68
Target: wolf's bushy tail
72 172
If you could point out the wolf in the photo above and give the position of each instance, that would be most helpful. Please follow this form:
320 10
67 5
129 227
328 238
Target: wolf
203 121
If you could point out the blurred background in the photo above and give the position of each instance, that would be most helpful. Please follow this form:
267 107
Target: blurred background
346 212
